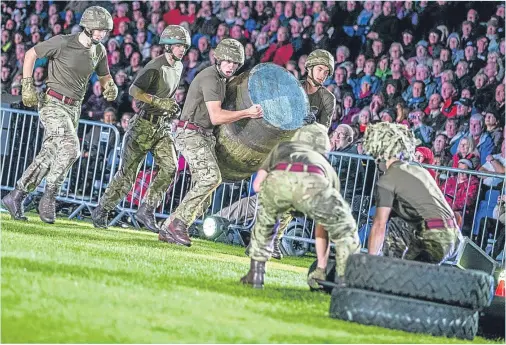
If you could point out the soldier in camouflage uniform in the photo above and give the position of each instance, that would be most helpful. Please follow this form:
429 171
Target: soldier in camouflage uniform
149 130
319 65
425 228
72 60
297 176
195 139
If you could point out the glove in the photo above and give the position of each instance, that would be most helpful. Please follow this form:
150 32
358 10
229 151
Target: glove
168 104
28 93
318 273
110 91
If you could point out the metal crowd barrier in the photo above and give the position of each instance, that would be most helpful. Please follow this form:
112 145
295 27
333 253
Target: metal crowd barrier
21 138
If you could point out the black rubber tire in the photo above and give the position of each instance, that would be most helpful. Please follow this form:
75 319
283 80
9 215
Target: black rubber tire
443 284
330 271
401 313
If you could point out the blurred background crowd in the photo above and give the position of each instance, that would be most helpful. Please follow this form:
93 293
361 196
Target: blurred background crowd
437 67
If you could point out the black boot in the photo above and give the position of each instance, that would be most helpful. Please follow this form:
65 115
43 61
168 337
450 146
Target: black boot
276 252
176 232
146 215
47 205
13 202
255 276
99 217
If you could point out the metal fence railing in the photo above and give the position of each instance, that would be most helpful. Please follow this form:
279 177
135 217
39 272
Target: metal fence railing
21 138
472 194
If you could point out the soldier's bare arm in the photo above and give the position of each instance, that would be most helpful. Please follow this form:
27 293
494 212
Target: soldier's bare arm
377 235
29 63
260 177
322 245
221 116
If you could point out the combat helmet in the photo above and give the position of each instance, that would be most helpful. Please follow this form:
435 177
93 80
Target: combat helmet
314 135
386 140
231 50
320 57
96 18
175 34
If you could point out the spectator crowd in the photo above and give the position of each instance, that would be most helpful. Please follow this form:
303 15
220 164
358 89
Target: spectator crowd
437 67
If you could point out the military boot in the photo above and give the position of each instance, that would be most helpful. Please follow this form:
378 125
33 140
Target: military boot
99 217
255 276
176 232
47 205
146 215
276 252
13 202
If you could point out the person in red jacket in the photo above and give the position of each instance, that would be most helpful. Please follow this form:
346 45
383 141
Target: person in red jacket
461 191
281 52
424 155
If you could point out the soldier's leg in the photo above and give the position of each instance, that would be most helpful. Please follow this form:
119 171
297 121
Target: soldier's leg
165 158
435 245
135 148
199 152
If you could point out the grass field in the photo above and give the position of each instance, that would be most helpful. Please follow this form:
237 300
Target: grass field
69 282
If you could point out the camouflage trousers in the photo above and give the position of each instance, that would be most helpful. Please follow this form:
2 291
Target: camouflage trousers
143 136
284 191
199 151
411 242
60 145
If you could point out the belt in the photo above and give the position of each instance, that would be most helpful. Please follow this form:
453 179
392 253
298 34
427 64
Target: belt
60 97
300 167
191 126
436 223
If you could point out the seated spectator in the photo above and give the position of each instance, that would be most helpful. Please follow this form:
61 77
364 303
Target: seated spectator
383 71
360 122
435 118
483 141
417 100
466 150
441 150
93 108
421 131
424 155
281 51
348 109
493 126
461 191
495 164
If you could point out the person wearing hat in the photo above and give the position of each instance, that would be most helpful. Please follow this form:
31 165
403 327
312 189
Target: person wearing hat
296 176
196 141
422 57
72 60
424 228
434 42
494 124
319 66
154 88
424 155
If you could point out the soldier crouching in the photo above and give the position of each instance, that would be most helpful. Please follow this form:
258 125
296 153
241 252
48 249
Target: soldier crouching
297 176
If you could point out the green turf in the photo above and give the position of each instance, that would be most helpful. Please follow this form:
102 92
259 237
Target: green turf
69 282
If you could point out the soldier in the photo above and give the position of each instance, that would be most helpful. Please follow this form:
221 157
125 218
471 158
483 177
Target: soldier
319 65
297 176
72 60
154 87
195 140
425 228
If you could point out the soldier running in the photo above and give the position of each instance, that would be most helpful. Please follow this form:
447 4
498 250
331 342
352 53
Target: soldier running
154 87
196 141
425 228
72 60
297 176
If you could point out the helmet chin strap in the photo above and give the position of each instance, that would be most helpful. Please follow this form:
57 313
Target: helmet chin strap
317 84
89 33
169 51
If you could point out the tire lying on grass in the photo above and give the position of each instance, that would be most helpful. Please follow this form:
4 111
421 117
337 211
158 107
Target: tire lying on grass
401 313
330 271
443 284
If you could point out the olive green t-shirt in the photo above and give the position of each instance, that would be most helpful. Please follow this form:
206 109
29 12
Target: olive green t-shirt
158 78
207 86
294 152
71 64
323 104
412 193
